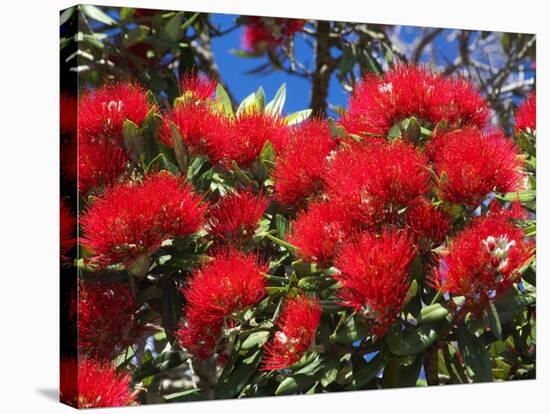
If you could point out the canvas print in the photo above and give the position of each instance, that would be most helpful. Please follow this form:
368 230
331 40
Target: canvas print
263 206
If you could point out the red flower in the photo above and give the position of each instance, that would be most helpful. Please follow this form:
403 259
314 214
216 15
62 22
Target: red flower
264 33
197 87
319 231
132 220
102 111
203 130
378 102
100 163
526 115
226 286
483 260
475 163
102 157
236 216
108 320
375 181
252 130
67 114
67 229
93 384
297 325
297 173
374 276
426 224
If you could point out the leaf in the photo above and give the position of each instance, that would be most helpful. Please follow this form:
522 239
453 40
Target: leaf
412 342
494 321
179 148
298 117
475 355
233 384
255 339
275 107
222 97
400 372
513 304
280 242
260 98
248 103
172 27
163 362
189 21
522 196
183 395
95 13
432 313
66 15
352 331
302 379
336 131
133 140
365 371
282 225
315 283
267 154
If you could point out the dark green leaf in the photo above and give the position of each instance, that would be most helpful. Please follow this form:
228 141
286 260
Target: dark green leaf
412 342
233 384
476 357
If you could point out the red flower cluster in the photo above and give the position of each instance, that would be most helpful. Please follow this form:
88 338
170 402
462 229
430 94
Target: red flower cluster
108 320
483 260
235 217
217 293
526 115
374 276
102 157
265 33
297 172
93 384
67 229
67 114
426 224
132 220
472 163
377 180
319 231
378 102
297 326
251 130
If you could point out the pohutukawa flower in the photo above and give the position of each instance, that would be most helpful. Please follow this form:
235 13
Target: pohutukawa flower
102 111
102 157
378 102
263 33
235 217
202 128
252 130
197 88
216 295
472 163
131 220
108 320
297 325
375 181
67 229
374 276
319 232
526 115
483 260
297 172
94 384
427 225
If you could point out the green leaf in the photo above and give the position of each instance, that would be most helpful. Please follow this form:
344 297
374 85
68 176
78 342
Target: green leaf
182 156
402 372
352 331
298 117
95 13
494 321
522 196
432 313
222 97
282 225
302 379
260 98
255 339
412 342
233 384
280 242
173 26
364 372
248 103
163 362
135 35
267 154
275 107
66 15
336 131
189 21
183 395
475 355
513 304
133 140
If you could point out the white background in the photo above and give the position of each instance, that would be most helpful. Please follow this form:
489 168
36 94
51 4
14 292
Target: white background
29 204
